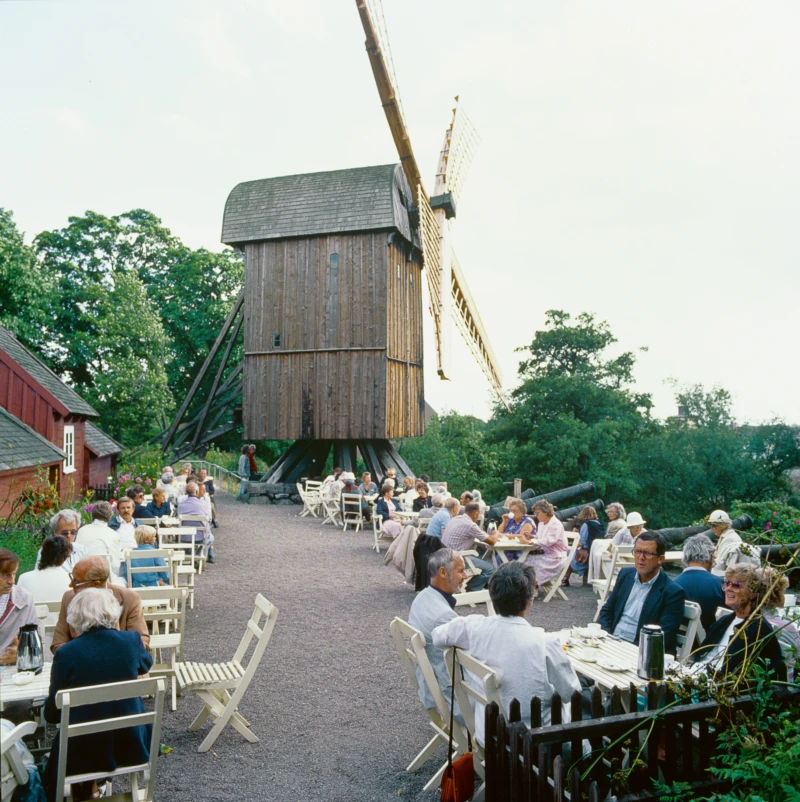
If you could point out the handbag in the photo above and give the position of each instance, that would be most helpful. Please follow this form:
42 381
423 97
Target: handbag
458 780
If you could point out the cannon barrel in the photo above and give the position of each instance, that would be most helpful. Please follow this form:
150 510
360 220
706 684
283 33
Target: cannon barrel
556 497
676 536
572 512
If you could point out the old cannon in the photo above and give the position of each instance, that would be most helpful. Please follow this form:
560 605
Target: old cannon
556 497
676 535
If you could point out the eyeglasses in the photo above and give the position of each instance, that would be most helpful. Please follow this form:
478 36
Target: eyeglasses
731 583
78 584
648 554
63 532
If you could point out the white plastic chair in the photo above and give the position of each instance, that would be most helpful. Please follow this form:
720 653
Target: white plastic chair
311 501
168 555
555 583
410 644
221 686
185 566
474 598
333 515
72 698
12 770
200 522
377 531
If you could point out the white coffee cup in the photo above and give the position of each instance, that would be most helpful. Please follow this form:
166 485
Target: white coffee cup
791 600
594 627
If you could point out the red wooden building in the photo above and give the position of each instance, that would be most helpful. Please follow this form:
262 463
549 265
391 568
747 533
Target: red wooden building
46 429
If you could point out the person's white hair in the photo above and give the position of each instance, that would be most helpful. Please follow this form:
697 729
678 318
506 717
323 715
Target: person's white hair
438 500
67 515
697 549
93 608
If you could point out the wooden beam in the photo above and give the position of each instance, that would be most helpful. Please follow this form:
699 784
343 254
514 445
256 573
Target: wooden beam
237 306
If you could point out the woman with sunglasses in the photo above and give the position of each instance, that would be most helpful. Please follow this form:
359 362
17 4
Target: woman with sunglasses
743 634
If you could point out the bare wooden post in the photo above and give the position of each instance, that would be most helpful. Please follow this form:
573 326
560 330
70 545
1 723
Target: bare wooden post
517 488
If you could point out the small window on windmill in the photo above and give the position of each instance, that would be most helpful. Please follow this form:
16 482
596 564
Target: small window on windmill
276 340
398 270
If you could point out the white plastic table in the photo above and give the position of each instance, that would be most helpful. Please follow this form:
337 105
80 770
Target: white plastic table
37 689
506 544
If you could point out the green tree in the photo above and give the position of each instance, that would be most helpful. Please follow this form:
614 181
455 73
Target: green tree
574 417
454 449
24 289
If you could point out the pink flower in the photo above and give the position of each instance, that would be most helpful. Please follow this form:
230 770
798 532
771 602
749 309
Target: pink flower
139 479
148 482
767 526
88 508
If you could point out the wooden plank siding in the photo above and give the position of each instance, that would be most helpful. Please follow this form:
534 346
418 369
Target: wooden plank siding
349 360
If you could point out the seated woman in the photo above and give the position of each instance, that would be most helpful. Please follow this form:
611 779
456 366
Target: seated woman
386 507
145 539
367 486
530 661
50 581
408 493
772 587
423 500
744 634
17 607
551 540
616 523
731 549
99 655
159 506
590 530
516 523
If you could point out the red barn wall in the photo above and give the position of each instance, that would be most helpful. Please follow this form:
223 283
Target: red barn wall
100 468
12 483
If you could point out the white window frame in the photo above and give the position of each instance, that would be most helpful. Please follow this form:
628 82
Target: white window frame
69 449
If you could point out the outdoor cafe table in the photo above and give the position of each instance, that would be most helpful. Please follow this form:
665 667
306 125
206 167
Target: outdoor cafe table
405 516
506 544
612 650
37 689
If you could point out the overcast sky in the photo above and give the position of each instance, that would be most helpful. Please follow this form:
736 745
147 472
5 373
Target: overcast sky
639 160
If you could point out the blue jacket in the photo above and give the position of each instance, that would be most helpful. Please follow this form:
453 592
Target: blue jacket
145 579
663 606
115 522
95 658
703 587
156 511
382 508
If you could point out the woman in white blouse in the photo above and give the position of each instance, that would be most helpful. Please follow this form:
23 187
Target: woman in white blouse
50 581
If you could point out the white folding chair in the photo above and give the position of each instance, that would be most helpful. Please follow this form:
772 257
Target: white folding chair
330 507
689 630
410 644
168 555
201 523
12 770
221 686
351 511
422 525
474 598
311 501
605 586
73 698
184 567
722 611
468 696
377 531
169 610
555 583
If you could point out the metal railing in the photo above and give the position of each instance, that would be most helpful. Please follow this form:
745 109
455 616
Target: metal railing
226 480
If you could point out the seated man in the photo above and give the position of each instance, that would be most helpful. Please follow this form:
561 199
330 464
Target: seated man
529 661
741 636
645 595
435 606
192 504
136 492
99 538
461 533
146 538
437 524
697 581
17 607
124 523
92 572
67 523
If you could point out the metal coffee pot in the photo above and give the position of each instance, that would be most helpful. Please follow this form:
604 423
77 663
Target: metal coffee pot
30 654
651 652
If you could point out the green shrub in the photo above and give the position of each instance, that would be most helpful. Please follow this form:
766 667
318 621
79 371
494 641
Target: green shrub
773 522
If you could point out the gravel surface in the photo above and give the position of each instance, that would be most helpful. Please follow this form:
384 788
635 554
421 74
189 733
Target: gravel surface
334 710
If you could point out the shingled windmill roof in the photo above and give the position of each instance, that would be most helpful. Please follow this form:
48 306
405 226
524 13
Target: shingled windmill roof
358 199
36 368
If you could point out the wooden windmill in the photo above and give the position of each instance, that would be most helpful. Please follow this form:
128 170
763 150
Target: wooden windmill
331 311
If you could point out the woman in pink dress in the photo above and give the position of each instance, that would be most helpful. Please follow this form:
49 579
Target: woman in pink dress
551 538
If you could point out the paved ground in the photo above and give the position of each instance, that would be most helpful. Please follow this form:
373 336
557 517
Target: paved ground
331 703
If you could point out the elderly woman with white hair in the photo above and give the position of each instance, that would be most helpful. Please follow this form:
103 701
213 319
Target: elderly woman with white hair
99 655
67 523
600 546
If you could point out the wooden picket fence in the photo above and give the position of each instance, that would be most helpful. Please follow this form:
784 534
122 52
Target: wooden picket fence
101 493
548 764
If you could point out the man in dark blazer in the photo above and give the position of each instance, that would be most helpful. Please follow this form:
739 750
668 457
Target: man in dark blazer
645 595
697 581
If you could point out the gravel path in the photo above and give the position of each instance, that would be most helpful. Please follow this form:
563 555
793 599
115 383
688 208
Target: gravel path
334 710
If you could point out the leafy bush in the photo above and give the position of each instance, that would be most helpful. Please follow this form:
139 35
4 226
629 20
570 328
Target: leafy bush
773 522
24 539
